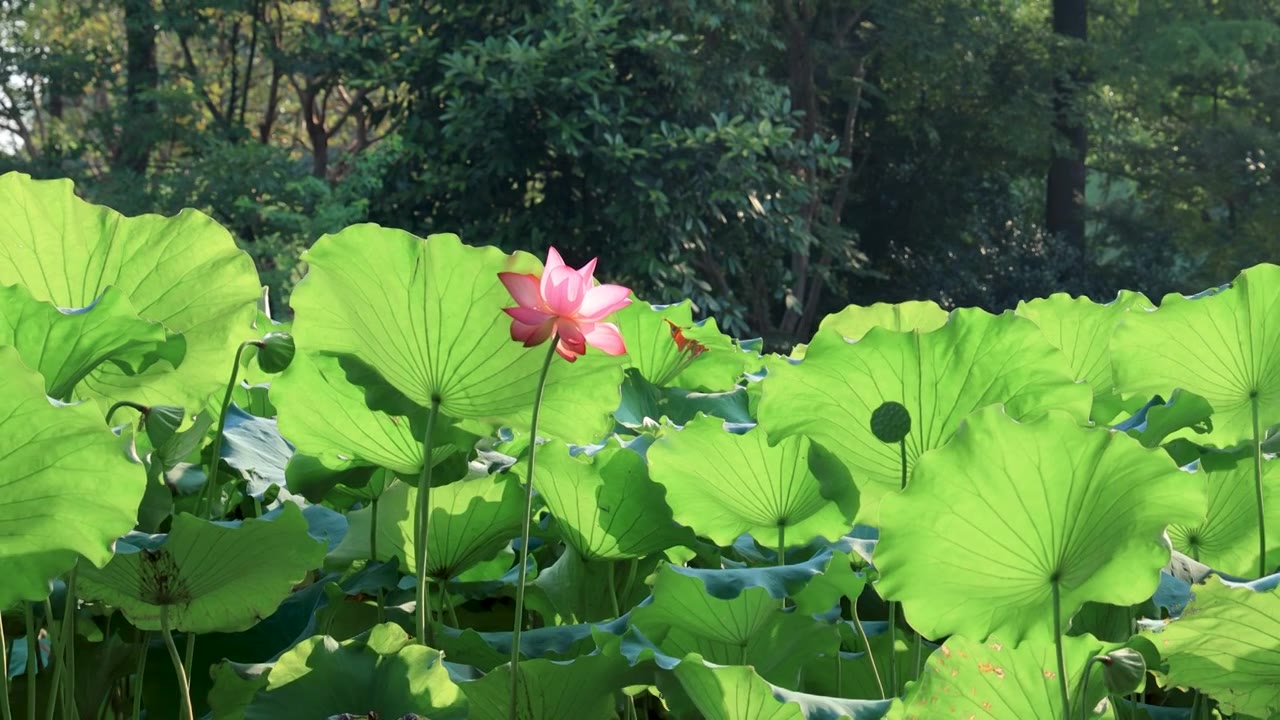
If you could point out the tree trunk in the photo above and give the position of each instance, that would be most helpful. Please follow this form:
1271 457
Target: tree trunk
1064 197
141 81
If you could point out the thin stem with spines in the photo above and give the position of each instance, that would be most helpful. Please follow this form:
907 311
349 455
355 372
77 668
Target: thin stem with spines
524 532
866 643
33 658
184 686
1257 486
208 498
422 531
1057 641
141 671
6 712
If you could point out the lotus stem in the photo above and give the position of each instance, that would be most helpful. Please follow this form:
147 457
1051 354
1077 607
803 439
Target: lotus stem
1084 686
866 643
208 497
782 544
631 579
56 690
421 531
919 668
893 647
142 670
6 712
373 555
184 687
33 655
448 606
613 591
902 448
524 532
69 641
1057 642
189 654
1257 486
143 409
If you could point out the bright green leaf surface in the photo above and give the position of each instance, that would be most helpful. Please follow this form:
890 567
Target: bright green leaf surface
1227 643
606 506
325 416
182 271
995 681
738 693
1226 537
65 345
471 521
1082 330
381 672
427 316
215 577
1007 508
652 350
855 320
582 688
1224 347
973 361
723 484
66 487
747 629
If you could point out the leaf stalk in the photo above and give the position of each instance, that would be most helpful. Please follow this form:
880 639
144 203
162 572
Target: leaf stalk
524 532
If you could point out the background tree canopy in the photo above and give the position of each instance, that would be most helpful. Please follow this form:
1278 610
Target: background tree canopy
772 160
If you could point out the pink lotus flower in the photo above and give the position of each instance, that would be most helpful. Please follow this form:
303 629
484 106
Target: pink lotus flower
568 303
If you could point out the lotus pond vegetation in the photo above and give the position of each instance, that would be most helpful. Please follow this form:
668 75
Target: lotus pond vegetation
460 483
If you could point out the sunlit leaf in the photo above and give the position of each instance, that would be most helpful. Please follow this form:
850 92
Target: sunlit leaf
1224 347
1008 510
66 487
973 361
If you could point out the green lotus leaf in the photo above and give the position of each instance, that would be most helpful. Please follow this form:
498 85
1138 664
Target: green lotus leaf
381 672
1226 536
66 486
652 349
486 651
64 345
213 577
606 506
1224 347
1082 330
738 693
183 272
644 404
854 321
1008 511
583 687
749 628
1227 644
574 590
975 360
994 680
326 417
1159 419
309 477
471 521
722 485
855 676
426 315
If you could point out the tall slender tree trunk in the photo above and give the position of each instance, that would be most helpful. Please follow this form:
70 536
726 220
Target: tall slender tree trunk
1065 206
142 79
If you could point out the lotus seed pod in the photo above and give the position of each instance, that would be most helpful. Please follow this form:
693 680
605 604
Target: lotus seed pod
1123 670
275 352
162 423
890 422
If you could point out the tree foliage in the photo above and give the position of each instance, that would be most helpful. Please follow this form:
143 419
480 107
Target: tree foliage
772 161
